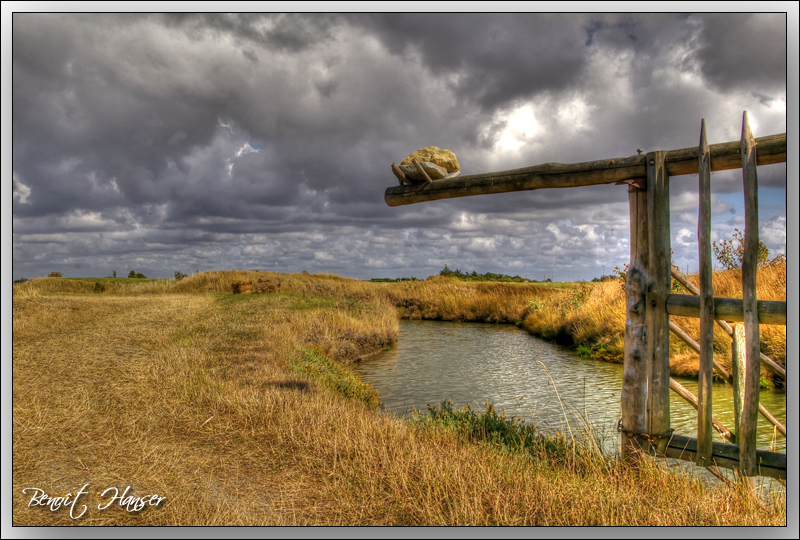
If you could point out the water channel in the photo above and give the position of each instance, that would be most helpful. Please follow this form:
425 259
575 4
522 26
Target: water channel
470 363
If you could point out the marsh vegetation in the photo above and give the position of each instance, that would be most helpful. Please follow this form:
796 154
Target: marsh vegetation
241 410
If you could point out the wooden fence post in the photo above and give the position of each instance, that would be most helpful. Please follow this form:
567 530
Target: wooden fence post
737 375
747 440
659 282
706 340
635 361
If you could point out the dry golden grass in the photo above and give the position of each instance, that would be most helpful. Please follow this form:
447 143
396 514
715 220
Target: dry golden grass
593 315
771 285
453 300
189 396
590 315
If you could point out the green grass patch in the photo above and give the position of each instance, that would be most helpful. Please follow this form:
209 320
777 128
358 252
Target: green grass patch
282 300
486 426
318 367
506 434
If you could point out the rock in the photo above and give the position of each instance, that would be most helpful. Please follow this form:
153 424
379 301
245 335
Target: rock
435 155
435 172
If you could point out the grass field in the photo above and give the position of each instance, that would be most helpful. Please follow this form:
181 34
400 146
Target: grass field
117 280
240 410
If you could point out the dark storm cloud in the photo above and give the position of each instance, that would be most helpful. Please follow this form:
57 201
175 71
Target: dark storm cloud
183 142
745 51
285 31
491 59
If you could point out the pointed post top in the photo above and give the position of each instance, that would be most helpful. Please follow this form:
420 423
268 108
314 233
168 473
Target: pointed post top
747 136
703 138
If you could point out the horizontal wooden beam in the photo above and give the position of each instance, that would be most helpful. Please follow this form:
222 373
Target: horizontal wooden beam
724 156
772 464
726 309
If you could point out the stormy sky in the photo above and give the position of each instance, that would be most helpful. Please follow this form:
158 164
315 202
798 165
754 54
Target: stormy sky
182 142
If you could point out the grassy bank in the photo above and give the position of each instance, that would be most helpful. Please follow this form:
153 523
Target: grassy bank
592 319
230 407
589 317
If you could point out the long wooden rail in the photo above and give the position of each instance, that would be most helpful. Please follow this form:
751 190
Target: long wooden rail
726 309
772 464
724 156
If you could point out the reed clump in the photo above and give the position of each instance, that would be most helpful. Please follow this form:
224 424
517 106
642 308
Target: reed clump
193 397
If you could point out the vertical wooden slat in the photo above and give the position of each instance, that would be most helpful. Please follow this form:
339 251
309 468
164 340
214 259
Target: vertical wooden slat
706 340
737 374
749 418
659 281
635 373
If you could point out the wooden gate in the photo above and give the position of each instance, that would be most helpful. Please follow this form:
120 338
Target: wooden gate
645 422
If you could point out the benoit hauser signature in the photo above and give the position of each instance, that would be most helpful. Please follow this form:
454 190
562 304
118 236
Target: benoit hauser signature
129 502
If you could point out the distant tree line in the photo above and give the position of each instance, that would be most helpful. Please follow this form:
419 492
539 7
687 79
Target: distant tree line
391 280
488 276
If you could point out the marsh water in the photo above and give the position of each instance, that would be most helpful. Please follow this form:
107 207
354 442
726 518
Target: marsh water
470 363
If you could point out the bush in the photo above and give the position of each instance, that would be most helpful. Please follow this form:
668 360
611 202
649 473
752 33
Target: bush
55 274
242 287
133 274
729 253
179 276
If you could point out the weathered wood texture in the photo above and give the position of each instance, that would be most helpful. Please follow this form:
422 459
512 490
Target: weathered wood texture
658 287
737 375
634 376
724 156
422 171
401 176
726 309
635 366
747 438
682 391
706 341
678 331
772 464
689 286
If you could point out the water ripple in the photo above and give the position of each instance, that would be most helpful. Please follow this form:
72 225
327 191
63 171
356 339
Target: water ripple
470 363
